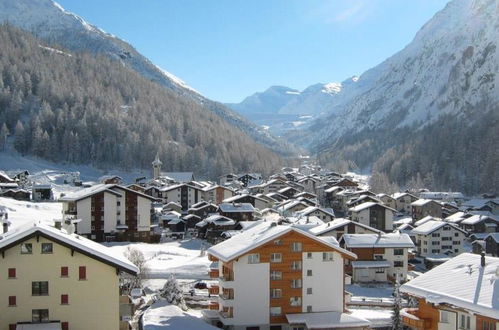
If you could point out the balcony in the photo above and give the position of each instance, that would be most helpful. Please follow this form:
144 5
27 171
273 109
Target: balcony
214 289
214 273
213 305
411 319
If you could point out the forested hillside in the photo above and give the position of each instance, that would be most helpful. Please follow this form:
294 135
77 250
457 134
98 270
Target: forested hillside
429 113
81 108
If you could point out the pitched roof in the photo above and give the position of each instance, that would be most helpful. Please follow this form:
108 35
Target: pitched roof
391 240
432 225
421 202
367 205
461 282
425 219
179 176
236 207
259 235
90 191
312 209
477 218
77 242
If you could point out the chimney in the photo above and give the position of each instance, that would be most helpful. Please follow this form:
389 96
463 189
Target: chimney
58 223
5 227
482 260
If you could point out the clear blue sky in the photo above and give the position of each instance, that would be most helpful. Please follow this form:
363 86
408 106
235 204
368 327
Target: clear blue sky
229 49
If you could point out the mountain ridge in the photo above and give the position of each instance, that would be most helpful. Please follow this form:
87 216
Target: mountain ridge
50 22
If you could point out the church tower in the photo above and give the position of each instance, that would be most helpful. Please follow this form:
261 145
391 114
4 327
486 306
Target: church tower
156 167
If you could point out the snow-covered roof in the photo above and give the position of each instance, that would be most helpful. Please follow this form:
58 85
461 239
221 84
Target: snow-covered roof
402 194
312 209
307 220
367 205
432 225
332 189
421 202
371 264
425 220
236 207
259 235
78 242
461 282
217 220
337 223
87 192
477 218
494 236
391 240
456 217
327 320
290 204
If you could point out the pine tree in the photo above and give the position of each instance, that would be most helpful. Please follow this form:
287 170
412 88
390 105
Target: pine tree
397 305
4 133
173 293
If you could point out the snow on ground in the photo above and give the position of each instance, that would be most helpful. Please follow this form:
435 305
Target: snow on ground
162 315
22 212
44 170
371 292
181 258
377 317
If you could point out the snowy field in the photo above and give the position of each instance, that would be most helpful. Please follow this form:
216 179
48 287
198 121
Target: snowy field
162 315
23 212
182 258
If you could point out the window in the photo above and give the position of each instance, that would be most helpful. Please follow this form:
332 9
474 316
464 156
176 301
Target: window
444 317
12 273
446 238
40 288
39 315
296 265
275 293
275 275
456 242
398 264
26 248
379 270
464 322
488 325
296 284
309 309
378 257
64 299
309 290
309 255
276 257
12 301
398 252
82 273
327 256
275 311
446 228
456 234
64 271
12 326
296 247
65 325
435 243
278 242
309 272
295 301
435 235
47 248
435 251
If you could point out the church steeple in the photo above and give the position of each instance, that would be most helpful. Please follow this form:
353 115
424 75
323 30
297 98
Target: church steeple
156 167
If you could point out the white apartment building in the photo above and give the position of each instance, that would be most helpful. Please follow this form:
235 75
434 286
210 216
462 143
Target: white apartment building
280 277
436 237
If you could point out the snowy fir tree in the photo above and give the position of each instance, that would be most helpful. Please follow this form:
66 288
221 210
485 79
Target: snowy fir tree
173 293
397 304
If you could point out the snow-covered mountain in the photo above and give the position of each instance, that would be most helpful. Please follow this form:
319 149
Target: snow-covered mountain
50 22
282 108
428 114
451 67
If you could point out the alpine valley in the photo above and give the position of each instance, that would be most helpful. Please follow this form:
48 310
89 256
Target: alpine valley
427 116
